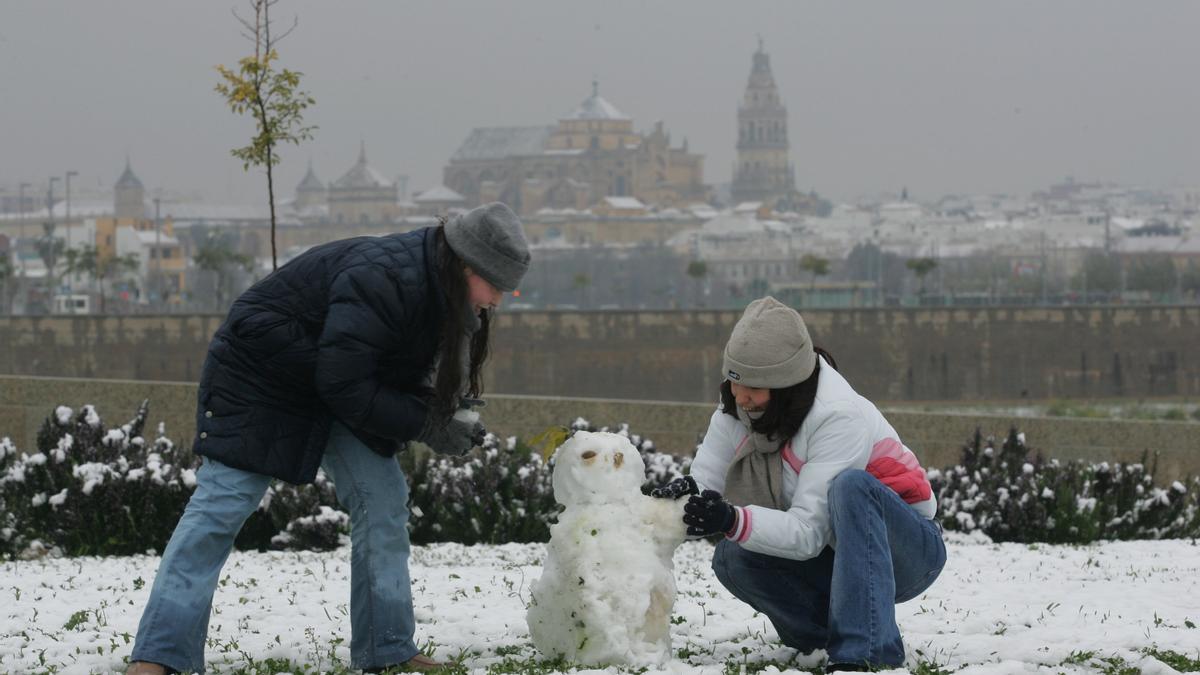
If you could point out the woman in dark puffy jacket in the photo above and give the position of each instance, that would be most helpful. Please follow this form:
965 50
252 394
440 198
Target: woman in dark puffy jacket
336 361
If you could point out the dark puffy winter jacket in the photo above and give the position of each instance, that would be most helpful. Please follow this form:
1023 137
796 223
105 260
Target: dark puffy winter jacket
347 331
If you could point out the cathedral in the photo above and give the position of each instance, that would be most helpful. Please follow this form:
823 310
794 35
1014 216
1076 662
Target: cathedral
763 172
590 154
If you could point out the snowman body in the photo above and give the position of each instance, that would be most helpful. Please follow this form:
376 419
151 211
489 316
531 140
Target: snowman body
608 585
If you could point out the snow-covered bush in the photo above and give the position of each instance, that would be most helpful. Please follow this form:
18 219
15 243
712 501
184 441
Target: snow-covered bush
1010 495
502 492
497 494
91 490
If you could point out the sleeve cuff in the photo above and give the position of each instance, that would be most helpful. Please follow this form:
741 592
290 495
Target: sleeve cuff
743 522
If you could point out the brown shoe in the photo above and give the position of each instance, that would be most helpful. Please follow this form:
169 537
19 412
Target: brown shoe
147 668
417 664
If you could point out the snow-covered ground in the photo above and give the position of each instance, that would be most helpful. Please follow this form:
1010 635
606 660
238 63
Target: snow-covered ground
996 609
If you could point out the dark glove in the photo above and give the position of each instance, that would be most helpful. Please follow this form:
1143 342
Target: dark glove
467 403
708 513
455 438
680 487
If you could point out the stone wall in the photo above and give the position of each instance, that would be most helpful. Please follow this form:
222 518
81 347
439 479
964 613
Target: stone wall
945 354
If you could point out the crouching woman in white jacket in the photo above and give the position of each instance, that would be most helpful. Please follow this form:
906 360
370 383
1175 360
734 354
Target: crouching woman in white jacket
828 518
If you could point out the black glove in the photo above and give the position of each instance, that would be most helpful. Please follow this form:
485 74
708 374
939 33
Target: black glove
457 437
680 487
708 513
467 403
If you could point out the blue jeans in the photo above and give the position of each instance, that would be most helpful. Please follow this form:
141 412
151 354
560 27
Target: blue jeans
371 487
844 601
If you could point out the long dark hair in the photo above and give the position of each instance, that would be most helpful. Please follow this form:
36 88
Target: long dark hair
449 386
787 407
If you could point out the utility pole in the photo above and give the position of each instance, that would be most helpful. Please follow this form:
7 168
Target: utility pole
70 281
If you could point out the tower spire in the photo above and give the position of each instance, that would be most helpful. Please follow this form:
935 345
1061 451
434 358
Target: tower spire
763 172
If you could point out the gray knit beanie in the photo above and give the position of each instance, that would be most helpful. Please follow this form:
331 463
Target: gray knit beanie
491 240
769 347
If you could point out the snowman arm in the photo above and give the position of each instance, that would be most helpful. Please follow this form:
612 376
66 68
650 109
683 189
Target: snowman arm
715 452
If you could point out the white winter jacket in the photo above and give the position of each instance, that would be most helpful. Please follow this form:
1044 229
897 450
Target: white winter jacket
842 431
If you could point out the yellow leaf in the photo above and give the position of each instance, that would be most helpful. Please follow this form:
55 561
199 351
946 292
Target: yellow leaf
549 440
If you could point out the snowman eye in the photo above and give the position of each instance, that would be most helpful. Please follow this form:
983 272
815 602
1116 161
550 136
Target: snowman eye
589 454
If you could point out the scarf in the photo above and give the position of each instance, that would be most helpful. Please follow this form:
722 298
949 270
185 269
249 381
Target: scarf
755 477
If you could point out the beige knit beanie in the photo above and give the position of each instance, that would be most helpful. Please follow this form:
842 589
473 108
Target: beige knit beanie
770 347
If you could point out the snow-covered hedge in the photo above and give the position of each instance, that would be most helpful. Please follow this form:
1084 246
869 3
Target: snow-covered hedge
502 493
1011 495
92 490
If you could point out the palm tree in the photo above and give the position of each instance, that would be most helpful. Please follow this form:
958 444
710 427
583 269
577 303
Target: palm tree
8 272
88 260
50 249
815 265
215 254
697 269
921 267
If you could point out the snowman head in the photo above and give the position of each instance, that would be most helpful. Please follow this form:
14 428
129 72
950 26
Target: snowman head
597 467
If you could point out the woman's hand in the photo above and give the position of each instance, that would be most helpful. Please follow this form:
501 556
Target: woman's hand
680 487
708 513
457 437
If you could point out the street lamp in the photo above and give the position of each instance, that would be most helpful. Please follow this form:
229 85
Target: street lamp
157 254
21 216
70 281
50 230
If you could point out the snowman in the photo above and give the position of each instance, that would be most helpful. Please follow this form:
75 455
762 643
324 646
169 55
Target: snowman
607 588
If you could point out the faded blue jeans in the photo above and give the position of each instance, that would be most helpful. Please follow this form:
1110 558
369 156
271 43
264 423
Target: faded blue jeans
371 487
844 601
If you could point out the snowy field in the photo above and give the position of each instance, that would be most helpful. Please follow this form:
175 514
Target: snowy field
1115 608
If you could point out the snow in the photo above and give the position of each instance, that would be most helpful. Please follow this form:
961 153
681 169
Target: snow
466 415
439 193
632 203
997 608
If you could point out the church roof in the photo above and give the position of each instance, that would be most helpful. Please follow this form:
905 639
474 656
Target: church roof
595 107
128 179
501 142
310 183
441 193
361 175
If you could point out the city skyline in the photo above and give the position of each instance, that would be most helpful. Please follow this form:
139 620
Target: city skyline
936 98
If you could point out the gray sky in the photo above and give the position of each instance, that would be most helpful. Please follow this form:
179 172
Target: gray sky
940 96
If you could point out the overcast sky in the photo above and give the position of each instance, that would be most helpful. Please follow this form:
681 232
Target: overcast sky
941 97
